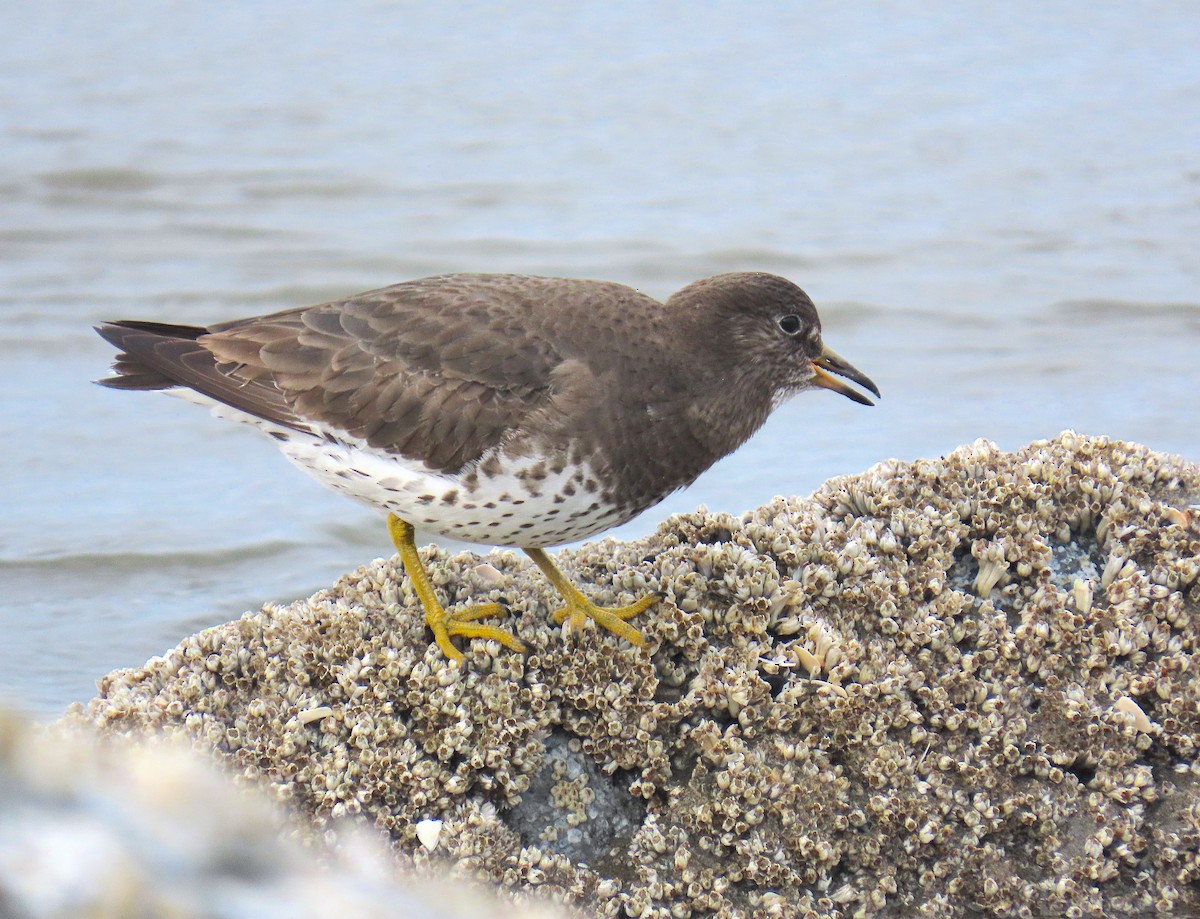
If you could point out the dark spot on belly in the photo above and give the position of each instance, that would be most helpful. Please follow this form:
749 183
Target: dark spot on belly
569 488
491 466
425 499
450 497
491 505
279 435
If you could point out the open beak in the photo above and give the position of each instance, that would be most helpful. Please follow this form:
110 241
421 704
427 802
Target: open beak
828 363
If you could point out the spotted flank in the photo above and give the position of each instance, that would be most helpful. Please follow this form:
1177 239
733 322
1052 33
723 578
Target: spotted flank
524 504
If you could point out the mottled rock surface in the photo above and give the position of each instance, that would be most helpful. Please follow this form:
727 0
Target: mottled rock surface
965 686
146 829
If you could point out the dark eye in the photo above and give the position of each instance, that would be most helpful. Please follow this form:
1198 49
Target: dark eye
790 324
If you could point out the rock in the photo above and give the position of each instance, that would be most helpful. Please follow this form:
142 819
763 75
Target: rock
963 685
116 828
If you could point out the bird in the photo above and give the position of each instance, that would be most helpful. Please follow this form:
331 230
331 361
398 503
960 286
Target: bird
503 409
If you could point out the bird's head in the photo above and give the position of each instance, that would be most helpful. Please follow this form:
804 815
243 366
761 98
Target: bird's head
765 327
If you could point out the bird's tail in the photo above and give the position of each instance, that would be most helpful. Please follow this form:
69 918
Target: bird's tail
134 367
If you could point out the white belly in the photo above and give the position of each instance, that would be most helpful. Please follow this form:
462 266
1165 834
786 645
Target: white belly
501 510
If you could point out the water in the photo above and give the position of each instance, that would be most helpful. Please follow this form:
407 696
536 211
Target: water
995 207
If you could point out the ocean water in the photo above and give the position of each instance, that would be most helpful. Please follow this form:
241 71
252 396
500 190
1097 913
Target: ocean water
996 208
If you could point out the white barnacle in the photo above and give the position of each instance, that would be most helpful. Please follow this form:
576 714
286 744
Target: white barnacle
736 700
789 625
990 573
1081 594
1114 564
428 832
845 894
828 654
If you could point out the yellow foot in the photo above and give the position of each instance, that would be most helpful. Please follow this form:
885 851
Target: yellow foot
579 608
460 622
610 617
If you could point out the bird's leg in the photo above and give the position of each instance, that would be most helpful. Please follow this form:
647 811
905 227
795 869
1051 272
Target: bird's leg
580 607
445 625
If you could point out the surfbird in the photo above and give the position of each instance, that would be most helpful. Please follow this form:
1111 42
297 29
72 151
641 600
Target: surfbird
503 409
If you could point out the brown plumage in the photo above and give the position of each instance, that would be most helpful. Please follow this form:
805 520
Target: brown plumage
514 410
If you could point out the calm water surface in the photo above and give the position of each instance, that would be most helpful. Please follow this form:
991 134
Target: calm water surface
997 210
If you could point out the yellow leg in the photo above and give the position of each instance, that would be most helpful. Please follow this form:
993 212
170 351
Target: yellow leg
580 607
445 625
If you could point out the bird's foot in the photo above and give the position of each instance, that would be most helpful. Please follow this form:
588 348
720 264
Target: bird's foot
462 623
446 625
579 609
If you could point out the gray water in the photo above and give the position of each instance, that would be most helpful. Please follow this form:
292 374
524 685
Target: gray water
995 206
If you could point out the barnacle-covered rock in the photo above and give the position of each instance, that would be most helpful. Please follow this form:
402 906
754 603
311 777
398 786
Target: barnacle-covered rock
121 828
963 685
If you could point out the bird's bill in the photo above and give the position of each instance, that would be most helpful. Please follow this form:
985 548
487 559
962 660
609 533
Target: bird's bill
829 362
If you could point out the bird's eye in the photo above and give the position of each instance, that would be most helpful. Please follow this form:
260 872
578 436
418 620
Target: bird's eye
790 324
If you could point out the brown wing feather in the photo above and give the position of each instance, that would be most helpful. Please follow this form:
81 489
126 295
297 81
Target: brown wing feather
438 370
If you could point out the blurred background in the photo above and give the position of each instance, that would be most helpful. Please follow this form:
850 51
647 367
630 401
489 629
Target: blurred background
996 208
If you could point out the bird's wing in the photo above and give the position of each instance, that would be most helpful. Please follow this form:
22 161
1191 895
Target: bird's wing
438 370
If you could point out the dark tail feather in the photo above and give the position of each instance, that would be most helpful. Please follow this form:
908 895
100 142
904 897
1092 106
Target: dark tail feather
128 377
157 355
133 337
112 331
